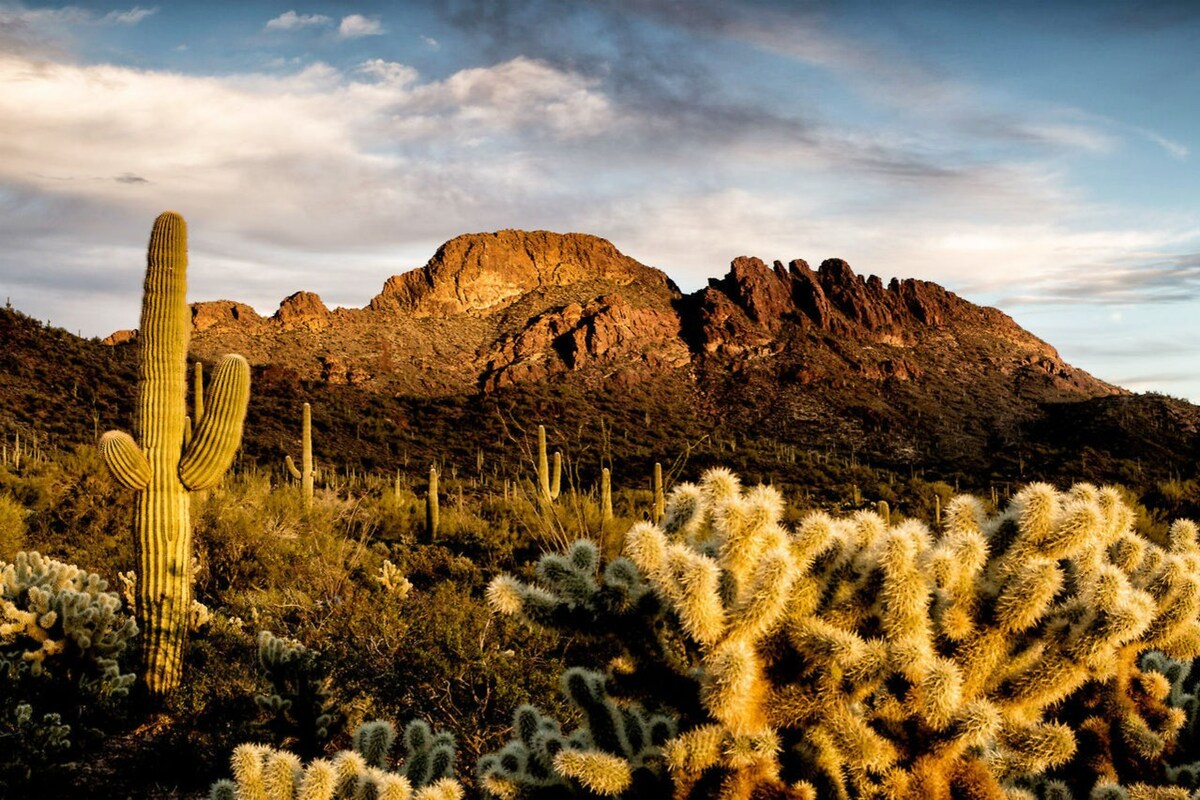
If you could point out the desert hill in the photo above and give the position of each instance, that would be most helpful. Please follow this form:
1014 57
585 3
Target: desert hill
505 329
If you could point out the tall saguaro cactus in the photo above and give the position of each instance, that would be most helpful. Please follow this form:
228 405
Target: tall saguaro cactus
160 468
306 472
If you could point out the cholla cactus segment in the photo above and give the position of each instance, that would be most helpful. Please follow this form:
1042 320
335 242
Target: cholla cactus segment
598 772
58 620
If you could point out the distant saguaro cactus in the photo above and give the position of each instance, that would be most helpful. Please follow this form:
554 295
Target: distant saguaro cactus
162 470
549 482
306 473
606 508
431 505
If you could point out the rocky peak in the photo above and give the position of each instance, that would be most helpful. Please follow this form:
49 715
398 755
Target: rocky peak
302 310
482 272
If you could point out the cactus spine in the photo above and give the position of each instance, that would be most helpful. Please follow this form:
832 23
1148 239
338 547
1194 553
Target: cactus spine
431 505
156 470
306 473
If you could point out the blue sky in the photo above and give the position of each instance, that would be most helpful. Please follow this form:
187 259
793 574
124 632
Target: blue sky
1038 157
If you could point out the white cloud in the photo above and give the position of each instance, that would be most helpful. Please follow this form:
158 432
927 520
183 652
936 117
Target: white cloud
131 17
356 25
431 42
290 21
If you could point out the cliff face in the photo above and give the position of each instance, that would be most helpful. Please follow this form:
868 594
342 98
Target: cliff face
764 345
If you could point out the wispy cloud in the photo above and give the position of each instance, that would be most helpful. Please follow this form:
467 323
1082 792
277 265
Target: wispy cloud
356 26
71 15
1173 148
290 21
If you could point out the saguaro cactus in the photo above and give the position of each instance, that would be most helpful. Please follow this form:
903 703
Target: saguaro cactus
606 508
431 505
306 472
549 481
162 470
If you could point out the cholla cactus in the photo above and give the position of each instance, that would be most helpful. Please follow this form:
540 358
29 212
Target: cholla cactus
61 638
57 620
616 753
263 773
307 470
617 604
161 469
299 700
880 661
392 579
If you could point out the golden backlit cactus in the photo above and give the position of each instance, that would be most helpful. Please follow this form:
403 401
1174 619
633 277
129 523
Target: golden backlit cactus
306 472
159 467
896 663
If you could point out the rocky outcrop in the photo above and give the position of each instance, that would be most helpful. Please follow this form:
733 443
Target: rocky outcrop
484 272
302 310
120 337
607 332
223 313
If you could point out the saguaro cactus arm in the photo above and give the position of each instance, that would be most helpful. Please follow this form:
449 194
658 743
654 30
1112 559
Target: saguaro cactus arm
219 433
125 460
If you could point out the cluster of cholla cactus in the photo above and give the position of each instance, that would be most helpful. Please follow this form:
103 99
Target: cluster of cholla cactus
426 773
855 658
617 752
58 621
61 638
307 470
163 470
299 699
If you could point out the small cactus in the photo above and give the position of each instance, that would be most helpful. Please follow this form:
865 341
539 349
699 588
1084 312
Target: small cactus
431 505
306 472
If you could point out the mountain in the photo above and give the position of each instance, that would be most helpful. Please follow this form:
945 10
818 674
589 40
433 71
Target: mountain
904 368
502 330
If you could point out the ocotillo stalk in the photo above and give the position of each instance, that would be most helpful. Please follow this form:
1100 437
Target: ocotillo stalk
162 477
660 505
606 512
431 505
306 472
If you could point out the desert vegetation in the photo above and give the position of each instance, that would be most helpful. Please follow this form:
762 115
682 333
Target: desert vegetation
574 617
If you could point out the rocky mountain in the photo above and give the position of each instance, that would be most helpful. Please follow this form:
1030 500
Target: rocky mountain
824 355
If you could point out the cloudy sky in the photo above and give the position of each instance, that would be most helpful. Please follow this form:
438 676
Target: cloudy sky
1041 157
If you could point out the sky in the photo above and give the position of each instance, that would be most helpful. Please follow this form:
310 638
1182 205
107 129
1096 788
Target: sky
1039 157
